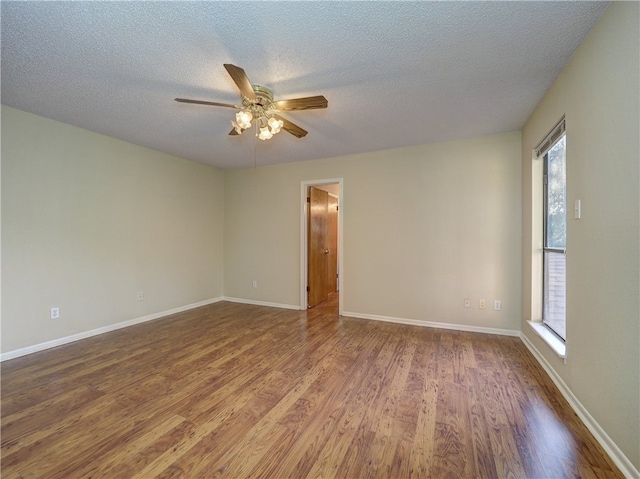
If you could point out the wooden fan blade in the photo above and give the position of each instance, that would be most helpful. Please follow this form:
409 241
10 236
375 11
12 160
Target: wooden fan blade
234 132
307 103
240 78
292 128
212 103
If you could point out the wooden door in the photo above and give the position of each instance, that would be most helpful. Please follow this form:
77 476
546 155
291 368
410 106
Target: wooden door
332 228
318 247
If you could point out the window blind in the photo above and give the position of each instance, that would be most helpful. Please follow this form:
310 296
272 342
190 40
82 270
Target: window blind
552 137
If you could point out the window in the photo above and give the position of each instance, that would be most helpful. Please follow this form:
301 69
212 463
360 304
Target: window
555 236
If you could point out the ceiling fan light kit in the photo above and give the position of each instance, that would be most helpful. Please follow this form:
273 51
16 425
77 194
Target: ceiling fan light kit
258 106
262 110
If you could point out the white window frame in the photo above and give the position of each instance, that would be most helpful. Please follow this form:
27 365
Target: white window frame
548 336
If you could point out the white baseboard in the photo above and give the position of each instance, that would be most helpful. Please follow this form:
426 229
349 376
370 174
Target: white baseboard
261 303
618 457
94 332
431 324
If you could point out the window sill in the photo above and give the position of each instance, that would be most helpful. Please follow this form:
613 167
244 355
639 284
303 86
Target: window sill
555 343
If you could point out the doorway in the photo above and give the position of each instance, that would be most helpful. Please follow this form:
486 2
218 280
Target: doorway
321 243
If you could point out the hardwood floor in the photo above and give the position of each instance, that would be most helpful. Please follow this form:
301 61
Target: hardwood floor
233 390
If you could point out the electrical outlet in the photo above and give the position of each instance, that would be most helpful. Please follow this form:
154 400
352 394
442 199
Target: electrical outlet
55 313
255 283
497 305
467 303
140 296
482 304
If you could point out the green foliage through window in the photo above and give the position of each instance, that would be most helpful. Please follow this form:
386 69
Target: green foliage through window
556 178
555 240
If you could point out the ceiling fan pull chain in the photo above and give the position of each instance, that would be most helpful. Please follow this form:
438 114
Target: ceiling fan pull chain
255 148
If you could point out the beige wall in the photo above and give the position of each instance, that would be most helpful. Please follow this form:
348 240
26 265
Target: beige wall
424 228
598 92
88 221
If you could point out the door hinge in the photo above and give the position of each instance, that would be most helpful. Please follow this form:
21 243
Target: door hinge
308 289
308 199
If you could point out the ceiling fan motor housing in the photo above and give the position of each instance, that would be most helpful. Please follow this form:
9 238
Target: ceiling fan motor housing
264 97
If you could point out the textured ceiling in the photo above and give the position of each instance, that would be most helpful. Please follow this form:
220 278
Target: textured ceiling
394 73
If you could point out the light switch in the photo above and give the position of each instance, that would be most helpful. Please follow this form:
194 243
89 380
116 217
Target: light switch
576 210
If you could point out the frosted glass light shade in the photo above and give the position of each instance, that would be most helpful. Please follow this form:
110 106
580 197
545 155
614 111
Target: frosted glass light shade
275 125
243 118
265 134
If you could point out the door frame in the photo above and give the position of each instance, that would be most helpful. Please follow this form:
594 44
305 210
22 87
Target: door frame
304 254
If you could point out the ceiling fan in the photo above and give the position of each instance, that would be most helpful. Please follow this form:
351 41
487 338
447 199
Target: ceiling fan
258 105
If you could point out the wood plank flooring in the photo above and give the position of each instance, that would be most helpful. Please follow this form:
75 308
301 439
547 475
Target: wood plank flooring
232 390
